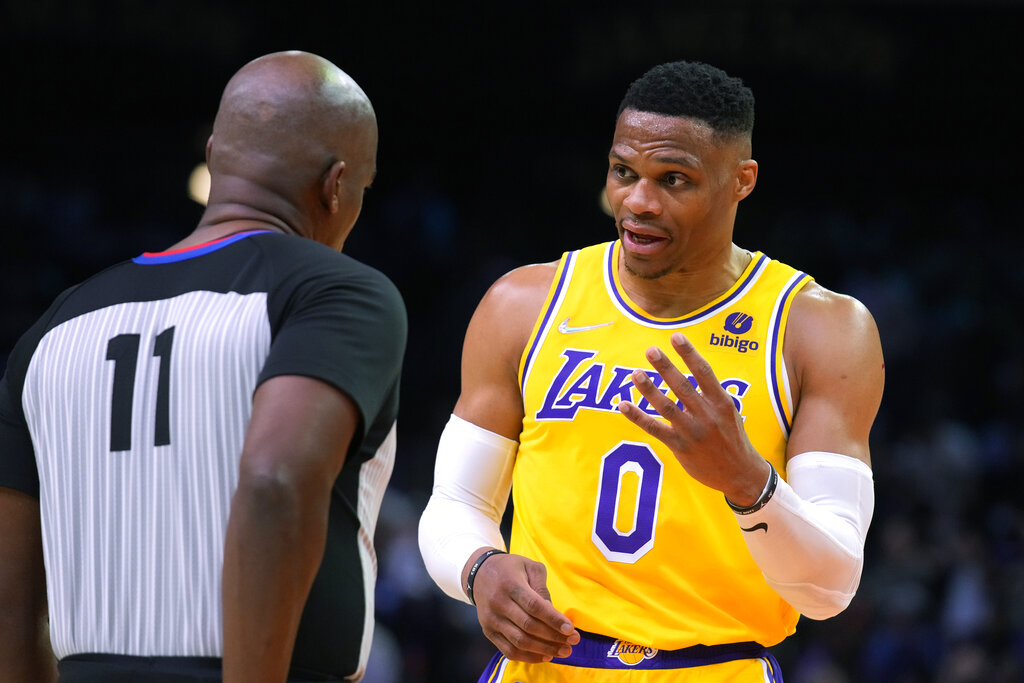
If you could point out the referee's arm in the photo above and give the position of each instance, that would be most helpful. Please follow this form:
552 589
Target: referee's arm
25 653
298 437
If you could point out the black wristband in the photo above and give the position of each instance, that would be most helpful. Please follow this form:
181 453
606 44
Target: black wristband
475 568
766 495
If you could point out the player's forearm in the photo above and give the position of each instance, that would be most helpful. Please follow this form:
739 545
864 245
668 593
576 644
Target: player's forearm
275 541
472 478
808 538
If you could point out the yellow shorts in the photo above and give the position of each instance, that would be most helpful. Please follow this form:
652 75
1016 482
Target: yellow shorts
606 660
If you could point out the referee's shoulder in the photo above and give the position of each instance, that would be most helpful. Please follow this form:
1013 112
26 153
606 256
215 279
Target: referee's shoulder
301 252
308 260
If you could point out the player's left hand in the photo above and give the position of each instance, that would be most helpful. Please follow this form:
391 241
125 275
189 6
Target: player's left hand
706 435
515 611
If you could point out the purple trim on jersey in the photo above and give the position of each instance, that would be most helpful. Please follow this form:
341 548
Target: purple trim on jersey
601 652
570 258
492 668
774 350
152 258
610 265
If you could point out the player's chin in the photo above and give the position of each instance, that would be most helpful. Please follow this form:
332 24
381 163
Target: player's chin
645 268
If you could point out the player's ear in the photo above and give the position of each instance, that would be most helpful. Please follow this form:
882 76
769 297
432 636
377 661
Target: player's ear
331 189
746 178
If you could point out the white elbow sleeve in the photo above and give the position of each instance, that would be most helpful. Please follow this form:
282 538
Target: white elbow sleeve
809 538
472 480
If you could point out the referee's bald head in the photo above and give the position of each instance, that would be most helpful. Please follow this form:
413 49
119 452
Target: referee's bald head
283 119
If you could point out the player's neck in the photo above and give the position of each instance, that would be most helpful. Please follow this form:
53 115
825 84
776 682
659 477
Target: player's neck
680 292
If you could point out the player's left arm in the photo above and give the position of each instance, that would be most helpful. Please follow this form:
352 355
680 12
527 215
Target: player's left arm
25 653
834 356
806 534
816 522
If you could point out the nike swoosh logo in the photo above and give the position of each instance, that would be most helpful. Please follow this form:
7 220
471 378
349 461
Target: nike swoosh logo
565 328
762 526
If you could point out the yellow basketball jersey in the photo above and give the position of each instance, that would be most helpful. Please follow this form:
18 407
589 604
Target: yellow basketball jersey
634 547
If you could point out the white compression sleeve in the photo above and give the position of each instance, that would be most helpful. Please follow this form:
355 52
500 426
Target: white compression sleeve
809 538
472 480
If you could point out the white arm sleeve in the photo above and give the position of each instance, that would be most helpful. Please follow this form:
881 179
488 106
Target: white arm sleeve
472 480
809 538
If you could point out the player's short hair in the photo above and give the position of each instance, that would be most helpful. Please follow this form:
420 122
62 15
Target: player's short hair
694 90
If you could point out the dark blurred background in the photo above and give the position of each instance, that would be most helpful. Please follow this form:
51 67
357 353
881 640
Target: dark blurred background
887 138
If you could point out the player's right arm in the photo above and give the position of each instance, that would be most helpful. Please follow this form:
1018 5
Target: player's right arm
472 478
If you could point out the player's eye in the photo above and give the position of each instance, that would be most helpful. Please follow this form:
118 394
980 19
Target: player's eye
620 171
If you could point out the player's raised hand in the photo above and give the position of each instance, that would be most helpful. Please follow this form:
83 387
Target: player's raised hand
515 611
706 435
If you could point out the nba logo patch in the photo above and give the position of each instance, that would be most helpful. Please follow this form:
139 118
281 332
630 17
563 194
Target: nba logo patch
630 654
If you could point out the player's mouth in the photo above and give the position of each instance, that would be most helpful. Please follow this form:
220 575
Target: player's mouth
642 239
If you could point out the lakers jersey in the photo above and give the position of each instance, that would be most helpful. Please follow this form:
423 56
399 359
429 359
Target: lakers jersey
634 547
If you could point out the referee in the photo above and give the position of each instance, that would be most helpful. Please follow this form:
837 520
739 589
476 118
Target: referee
194 443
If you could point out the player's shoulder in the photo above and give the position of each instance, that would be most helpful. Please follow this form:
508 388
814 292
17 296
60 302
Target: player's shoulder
506 314
517 297
526 282
816 305
834 328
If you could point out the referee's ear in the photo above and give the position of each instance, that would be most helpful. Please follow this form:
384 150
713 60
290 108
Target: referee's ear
331 188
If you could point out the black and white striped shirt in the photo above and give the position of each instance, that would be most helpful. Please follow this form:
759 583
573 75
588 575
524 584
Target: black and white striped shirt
125 409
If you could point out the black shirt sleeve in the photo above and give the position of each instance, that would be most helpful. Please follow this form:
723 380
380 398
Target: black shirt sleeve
344 323
17 455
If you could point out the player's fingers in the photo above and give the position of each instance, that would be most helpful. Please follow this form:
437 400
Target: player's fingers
537 604
537 579
701 369
528 631
657 398
510 606
520 635
675 380
646 422
516 653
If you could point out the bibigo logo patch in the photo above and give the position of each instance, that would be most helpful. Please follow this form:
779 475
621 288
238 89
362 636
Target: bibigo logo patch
630 654
736 325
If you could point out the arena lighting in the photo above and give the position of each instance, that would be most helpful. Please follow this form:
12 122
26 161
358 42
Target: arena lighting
199 184
602 200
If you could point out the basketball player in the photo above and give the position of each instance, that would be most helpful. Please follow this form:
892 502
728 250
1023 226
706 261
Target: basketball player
672 518
196 441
